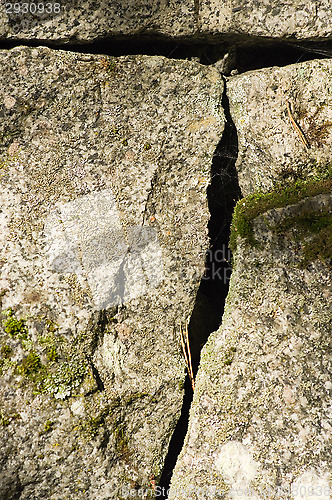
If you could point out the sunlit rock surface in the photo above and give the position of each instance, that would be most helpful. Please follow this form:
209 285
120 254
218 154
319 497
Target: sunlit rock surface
271 149
67 21
104 168
260 422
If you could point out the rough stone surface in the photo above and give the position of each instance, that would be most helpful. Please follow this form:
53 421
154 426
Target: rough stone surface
270 149
302 20
260 423
89 20
103 171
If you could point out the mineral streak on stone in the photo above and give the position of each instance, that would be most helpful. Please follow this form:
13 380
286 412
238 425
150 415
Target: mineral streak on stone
270 149
68 21
260 423
104 164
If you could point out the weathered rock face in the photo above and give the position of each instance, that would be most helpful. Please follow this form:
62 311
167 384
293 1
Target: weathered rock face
260 424
104 168
268 19
89 20
271 149
86 21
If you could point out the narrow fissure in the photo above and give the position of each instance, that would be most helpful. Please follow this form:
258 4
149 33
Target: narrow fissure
223 193
206 317
249 54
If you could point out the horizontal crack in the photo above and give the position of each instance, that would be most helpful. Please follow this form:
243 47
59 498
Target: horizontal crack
251 52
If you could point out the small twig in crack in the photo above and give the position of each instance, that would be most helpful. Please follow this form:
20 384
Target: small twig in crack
186 352
296 127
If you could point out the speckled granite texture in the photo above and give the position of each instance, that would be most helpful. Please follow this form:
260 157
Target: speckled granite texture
66 21
104 168
270 148
260 423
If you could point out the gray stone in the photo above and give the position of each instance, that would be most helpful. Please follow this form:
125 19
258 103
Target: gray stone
270 148
66 21
259 18
103 171
260 422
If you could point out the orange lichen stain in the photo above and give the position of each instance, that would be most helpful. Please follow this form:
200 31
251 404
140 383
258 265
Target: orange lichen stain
123 331
202 124
14 148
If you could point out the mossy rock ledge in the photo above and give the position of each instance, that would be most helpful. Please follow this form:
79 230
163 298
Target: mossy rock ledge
260 420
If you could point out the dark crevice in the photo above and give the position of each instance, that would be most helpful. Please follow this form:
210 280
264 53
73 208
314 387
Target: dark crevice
97 378
254 53
267 53
280 54
222 193
177 440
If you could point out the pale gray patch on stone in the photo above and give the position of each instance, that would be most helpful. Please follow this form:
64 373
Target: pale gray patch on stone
87 237
62 253
237 464
144 242
310 486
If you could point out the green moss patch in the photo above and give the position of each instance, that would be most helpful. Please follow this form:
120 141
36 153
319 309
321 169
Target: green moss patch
94 424
6 351
55 365
15 327
31 365
121 443
316 225
48 425
6 420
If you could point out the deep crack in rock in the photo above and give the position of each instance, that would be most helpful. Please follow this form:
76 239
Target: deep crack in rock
222 193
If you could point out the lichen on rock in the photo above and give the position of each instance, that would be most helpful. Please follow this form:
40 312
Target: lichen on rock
264 378
303 207
177 19
270 149
260 422
104 166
